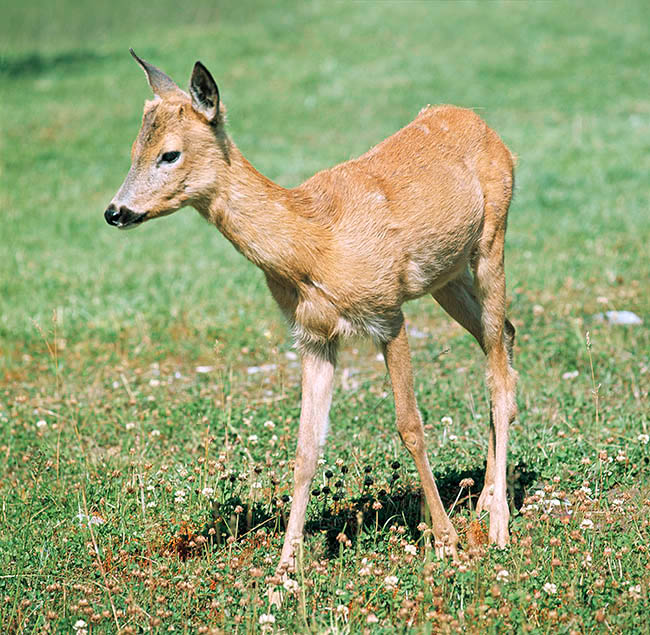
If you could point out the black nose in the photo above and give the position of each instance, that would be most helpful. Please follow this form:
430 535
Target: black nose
112 215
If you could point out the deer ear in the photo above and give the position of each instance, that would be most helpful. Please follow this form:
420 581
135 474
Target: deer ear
204 93
161 84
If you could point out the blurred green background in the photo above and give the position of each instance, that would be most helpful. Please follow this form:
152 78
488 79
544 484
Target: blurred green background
308 85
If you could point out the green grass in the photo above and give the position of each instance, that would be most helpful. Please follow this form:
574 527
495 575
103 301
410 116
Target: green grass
102 410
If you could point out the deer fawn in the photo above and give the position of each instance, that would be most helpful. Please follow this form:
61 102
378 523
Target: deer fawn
423 212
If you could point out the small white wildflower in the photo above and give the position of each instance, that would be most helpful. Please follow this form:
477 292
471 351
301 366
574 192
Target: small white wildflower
635 591
587 523
252 439
79 625
96 520
155 432
391 581
267 618
291 585
343 610
269 425
116 384
644 438
503 575
621 456
152 504
207 492
273 440
411 549
130 425
452 437
154 382
41 423
550 588
446 421
571 374
372 619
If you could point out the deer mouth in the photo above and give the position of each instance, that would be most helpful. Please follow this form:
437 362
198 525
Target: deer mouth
131 221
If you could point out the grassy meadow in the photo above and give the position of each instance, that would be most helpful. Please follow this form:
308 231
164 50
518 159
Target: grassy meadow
149 393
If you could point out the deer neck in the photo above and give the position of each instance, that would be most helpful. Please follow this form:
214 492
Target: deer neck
261 220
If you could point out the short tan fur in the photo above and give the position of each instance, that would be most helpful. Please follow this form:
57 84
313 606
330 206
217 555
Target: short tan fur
423 212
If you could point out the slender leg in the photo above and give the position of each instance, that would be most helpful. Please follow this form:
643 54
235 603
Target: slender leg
409 425
459 299
317 384
498 336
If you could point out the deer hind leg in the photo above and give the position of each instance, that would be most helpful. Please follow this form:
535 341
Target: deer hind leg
317 385
409 425
498 338
458 299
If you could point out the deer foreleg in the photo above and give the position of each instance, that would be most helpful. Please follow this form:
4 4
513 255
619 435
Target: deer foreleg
317 385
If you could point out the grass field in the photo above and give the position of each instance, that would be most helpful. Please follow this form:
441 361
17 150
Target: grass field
149 395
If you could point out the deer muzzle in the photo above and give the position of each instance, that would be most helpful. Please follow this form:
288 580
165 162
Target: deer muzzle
122 217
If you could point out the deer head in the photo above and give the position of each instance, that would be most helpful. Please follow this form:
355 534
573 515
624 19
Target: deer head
176 158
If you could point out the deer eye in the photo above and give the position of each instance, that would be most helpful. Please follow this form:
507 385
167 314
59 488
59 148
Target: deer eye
170 157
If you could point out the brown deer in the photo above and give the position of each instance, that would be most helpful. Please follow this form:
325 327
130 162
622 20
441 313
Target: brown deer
423 212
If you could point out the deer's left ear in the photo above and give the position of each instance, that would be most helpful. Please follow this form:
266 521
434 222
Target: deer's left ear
204 93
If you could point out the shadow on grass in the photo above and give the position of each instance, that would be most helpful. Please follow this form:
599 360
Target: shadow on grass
373 511
404 504
34 64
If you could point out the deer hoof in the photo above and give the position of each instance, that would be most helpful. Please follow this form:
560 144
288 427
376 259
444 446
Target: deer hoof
499 517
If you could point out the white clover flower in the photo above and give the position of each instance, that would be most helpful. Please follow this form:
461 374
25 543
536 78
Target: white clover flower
550 588
267 618
571 374
635 591
273 440
447 421
291 585
503 575
252 439
155 433
41 423
80 627
391 582
130 425
372 619
587 523
643 438
343 610
411 549
207 492
269 425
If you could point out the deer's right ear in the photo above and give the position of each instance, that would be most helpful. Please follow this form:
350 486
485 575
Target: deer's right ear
161 84
204 93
